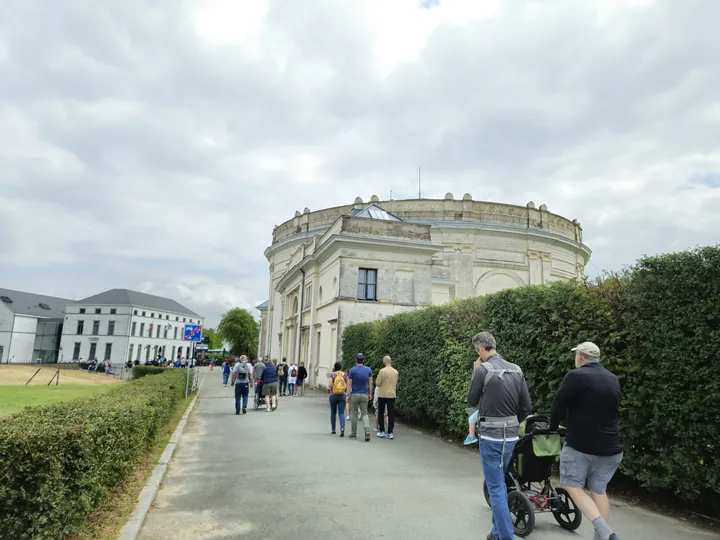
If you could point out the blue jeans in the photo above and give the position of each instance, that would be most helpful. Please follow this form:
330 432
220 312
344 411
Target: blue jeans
283 385
337 407
291 389
490 453
225 377
241 391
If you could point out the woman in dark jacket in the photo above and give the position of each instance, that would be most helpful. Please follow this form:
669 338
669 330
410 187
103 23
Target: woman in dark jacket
301 376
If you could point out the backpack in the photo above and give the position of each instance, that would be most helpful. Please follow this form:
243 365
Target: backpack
293 373
242 372
339 384
281 370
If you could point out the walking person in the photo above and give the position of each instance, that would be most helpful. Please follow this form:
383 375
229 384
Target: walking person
360 382
387 381
499 390
258 369
226 373
270 387
241 380
282 370
337 388
301 376
589 397
292 379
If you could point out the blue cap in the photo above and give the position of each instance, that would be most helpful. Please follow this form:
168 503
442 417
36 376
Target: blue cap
360 357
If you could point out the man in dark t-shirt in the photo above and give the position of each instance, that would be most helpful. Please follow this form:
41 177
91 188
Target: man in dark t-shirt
589 398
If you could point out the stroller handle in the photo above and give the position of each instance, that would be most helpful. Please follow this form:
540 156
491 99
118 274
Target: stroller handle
548 431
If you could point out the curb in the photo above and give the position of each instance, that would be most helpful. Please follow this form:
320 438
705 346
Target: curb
131 529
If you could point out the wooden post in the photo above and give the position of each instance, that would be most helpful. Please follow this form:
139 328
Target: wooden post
31 378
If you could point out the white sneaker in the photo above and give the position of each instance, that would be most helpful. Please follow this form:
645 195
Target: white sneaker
381 434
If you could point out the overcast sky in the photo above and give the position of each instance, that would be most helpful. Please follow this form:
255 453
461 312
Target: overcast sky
153 144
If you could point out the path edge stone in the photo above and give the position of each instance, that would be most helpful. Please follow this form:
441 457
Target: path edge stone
131 529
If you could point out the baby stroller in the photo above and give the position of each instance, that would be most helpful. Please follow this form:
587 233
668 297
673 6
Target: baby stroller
530 489
259 399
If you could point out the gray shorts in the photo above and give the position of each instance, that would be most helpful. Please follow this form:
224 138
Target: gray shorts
578 470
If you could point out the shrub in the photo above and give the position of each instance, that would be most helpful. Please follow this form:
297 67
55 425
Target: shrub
59 461
139 372
658 327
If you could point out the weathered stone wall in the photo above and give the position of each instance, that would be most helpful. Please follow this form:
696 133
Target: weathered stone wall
441 210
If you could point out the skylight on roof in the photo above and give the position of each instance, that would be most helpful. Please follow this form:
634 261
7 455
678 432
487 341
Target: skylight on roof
43 305
6 299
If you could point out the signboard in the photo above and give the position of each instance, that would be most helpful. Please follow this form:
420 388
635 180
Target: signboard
193 332
201 347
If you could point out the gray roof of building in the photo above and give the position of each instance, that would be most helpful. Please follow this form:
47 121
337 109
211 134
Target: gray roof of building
375 212
125 297
263 306
24 303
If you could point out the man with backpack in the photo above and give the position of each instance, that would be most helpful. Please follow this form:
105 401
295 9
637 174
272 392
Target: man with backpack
258 369
498 389
292 371
282 371
242 378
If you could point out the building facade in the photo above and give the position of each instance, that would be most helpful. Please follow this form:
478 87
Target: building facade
121 325
363 262
30 327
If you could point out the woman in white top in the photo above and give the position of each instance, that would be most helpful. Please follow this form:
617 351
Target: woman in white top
292 379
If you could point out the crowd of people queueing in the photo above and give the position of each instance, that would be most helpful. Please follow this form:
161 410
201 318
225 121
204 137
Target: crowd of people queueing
354 389
268 380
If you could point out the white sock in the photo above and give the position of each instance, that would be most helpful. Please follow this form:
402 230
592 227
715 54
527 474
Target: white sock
602 529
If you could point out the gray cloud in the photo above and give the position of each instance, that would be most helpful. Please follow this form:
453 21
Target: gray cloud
138 151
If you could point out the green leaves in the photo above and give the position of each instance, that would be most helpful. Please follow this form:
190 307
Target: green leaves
657 325
59 461
240 329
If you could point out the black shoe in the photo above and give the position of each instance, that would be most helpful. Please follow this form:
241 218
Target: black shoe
352 436
614 536
342 432
333 432
491 536
367 436
244 410
237 412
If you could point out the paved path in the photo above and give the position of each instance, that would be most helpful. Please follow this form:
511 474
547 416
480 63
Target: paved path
280 475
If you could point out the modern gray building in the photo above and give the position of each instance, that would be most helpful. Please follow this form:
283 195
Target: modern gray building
30 326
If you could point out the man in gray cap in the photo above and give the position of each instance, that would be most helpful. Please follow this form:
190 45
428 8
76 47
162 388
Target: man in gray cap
589 398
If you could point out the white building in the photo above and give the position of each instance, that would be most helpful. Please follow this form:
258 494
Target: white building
360 262
121 325
30 326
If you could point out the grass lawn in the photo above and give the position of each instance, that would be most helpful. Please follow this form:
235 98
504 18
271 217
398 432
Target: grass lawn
15 398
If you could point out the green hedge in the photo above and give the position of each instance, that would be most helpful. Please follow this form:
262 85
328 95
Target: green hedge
60 461
657 324
138 372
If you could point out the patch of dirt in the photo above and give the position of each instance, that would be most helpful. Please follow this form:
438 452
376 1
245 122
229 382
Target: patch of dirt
19 375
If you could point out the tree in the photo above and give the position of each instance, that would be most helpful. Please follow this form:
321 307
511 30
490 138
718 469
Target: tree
240 329
214 342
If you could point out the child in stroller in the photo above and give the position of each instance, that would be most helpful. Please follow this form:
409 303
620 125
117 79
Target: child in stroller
530 488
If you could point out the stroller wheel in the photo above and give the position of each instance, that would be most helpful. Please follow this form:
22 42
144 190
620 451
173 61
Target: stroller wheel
522 512
565 511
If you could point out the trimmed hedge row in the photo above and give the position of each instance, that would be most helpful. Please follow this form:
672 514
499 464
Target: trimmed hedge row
138 372
657 324
59 461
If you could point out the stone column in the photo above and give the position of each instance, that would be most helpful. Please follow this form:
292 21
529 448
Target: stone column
536 269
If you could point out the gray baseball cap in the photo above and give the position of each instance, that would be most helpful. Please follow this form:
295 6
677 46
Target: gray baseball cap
588 348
